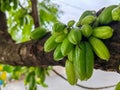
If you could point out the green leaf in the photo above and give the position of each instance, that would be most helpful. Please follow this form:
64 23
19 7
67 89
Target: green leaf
8 68
117 86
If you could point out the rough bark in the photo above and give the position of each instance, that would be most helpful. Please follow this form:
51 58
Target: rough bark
32 54
3 28
113 45
27 54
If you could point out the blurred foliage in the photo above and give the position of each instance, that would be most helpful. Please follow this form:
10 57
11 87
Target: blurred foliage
48 12
20 25
33 75
20 22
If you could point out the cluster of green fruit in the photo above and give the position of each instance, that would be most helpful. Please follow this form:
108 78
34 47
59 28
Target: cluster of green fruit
78 43
8 4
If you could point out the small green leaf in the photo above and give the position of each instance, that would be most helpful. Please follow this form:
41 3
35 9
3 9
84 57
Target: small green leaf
117 86
8 68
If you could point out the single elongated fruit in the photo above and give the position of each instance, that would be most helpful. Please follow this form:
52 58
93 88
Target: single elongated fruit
75 36
58 27
88 19
89 57
85 13
116 14
103 32
71 55
38 33
61 37
50 44
117 86
86 30
79 62
57 53
70 73
106 17
99 48
66 47
70 23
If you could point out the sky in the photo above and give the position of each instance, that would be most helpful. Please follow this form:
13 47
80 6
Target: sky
73 8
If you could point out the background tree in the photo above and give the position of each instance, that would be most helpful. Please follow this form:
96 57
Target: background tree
18 20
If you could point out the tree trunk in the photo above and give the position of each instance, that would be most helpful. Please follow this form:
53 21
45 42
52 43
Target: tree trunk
31 53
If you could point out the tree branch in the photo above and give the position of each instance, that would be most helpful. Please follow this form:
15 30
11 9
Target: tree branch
32 54
27 54
35 13
4 35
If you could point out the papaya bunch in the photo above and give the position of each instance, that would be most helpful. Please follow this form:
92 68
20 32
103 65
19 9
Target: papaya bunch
79 43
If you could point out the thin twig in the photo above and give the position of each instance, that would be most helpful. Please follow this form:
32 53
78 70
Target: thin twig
22 6
85 87
35 14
